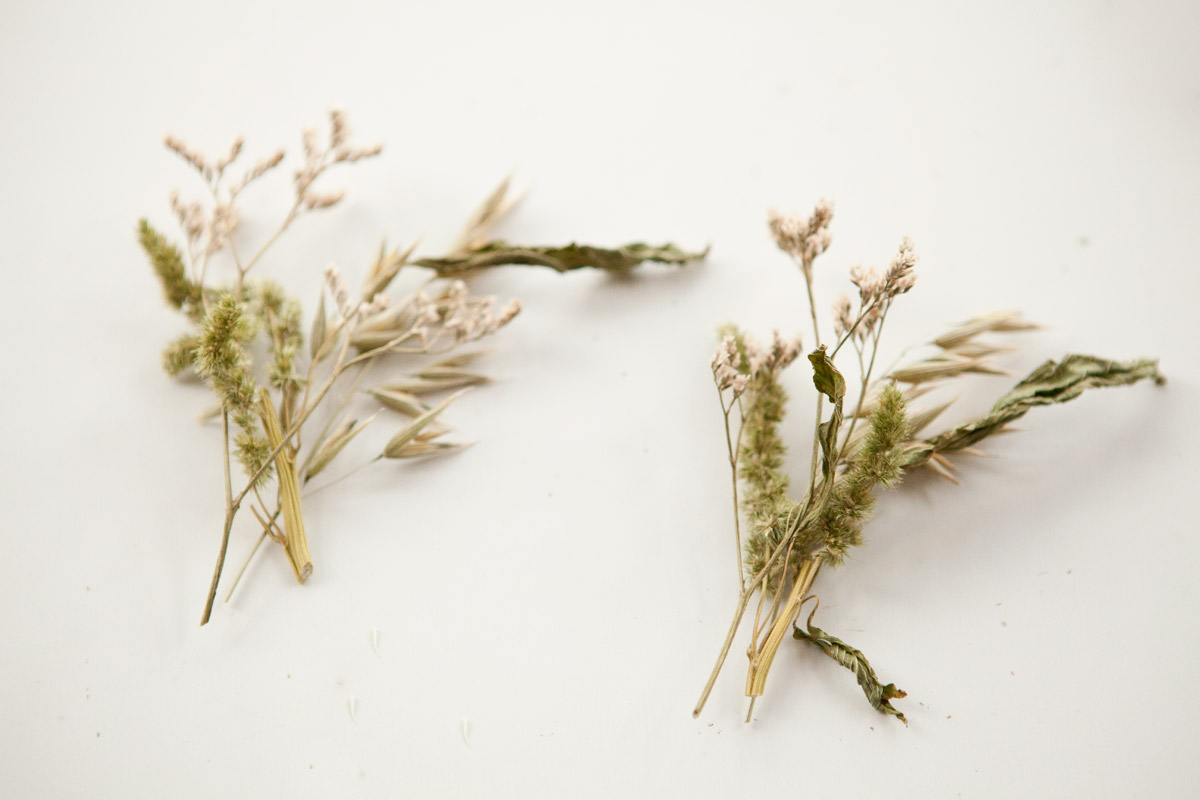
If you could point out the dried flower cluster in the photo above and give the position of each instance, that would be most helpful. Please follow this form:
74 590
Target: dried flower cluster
803 239
728 360
785 541
264 404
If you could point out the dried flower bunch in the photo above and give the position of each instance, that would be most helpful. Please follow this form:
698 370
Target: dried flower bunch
856 448
264 402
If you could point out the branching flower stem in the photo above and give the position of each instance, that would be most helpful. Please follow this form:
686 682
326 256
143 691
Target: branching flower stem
806 265
733 469
265 406
866 377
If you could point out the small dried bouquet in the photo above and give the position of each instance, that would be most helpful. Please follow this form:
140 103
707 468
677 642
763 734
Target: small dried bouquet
246 340
861 442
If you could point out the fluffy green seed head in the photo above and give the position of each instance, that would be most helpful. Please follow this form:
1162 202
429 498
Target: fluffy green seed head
877 462
180 355
168 266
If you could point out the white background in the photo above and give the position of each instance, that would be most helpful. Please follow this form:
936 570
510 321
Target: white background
564 585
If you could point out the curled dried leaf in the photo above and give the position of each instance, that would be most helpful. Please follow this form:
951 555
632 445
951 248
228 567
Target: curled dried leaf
1052 382
878 694
562 259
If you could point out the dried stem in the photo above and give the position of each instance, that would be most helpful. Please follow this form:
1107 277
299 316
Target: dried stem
230 510
737 526
743 601
249 557
806 268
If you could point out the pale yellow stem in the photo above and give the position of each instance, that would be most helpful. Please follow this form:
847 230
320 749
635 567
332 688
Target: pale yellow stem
295 542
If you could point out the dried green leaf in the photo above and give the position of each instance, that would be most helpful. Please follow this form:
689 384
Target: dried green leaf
1052 382
409 432
826 377
878 694
830 383
618 260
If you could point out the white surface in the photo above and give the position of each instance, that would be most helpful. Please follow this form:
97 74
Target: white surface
548 603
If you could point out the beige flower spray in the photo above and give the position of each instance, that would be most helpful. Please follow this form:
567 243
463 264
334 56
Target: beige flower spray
786 542
265 403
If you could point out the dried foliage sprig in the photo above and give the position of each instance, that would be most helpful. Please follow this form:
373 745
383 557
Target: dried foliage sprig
265 403
785 542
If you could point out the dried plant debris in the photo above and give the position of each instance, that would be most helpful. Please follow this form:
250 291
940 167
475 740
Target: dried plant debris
246 337
859 446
